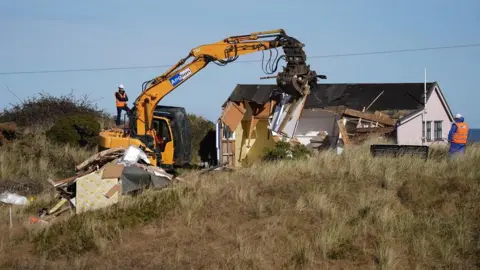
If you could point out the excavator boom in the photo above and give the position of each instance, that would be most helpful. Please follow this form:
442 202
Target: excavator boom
147 131
290 80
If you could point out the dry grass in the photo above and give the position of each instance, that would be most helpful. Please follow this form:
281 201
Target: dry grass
27 163
351 211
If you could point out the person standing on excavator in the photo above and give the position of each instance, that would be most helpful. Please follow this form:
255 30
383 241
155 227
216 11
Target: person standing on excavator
121 102
458 136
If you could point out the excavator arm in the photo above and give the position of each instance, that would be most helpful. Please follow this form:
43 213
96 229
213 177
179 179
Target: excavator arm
291 80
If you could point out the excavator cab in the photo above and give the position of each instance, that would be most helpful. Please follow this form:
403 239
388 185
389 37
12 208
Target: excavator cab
172 127
163 134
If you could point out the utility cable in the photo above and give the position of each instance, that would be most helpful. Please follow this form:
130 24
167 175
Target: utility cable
244 61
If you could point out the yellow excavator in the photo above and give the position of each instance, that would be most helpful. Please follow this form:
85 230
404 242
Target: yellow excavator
163 131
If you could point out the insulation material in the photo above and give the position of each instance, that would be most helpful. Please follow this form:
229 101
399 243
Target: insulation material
91 190
233 114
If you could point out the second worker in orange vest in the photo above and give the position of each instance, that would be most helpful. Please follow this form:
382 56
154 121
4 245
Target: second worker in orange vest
121 99
458 136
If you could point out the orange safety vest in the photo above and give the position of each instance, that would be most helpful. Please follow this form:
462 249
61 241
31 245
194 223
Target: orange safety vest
461 134
121 103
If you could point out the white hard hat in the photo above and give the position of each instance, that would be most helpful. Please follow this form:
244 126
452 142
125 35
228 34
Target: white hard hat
120 86
458 115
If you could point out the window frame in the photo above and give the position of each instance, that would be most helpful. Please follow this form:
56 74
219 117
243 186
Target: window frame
437 130
428 134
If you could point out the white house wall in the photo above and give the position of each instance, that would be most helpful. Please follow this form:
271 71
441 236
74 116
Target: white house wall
411 131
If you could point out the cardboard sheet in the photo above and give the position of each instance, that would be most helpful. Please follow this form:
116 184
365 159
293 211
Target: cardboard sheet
112 170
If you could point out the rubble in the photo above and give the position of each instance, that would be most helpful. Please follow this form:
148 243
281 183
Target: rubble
102 179
355 126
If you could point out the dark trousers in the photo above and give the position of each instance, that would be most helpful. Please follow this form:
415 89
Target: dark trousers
456 150
119 114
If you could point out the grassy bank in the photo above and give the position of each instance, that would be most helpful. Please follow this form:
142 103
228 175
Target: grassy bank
27 163
350 211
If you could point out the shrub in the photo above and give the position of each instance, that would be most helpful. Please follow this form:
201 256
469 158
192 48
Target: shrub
200 128
284 150
77 130
8 131
45 110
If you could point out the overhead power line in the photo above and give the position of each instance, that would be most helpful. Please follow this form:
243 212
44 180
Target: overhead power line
245 61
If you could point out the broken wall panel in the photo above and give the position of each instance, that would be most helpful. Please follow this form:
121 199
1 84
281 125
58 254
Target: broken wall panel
91 190
232 114
252 149
290 121
262 111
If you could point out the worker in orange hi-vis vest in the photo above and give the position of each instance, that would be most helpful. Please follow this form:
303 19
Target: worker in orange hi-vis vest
458 136
121 102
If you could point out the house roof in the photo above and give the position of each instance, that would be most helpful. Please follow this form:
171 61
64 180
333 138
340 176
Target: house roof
395 96
258 93
415 113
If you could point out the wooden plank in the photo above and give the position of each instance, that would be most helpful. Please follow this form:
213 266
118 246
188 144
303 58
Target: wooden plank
98 156
343 131
374 130
68 180
372 117
336 109
381 114
112 191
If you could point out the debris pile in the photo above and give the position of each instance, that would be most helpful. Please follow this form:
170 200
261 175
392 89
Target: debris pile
103 178
355 126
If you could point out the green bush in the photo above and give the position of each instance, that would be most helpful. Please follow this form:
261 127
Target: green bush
45 109
77 130
200 129
284 150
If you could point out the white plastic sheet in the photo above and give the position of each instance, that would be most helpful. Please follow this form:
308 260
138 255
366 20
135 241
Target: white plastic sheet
12 198
132 155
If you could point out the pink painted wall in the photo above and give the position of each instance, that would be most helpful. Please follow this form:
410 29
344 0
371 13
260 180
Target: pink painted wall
411 132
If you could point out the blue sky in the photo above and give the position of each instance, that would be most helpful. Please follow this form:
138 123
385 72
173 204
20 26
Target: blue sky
52 35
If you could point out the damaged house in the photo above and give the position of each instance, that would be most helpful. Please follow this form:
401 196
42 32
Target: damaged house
332 113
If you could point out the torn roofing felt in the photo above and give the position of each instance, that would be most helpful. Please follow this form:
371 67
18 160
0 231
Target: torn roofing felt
258 93
396 96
